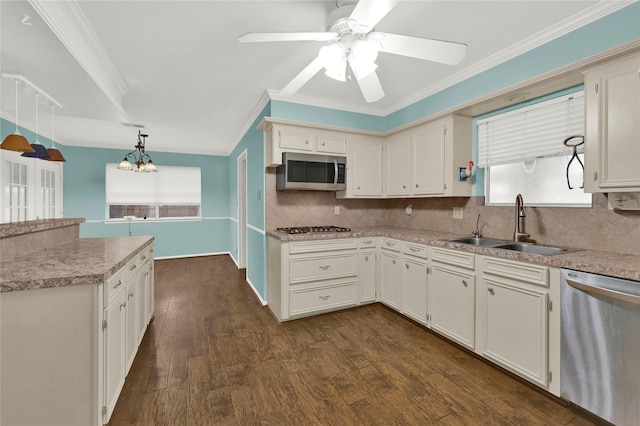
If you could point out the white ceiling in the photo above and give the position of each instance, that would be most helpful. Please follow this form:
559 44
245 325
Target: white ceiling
184 76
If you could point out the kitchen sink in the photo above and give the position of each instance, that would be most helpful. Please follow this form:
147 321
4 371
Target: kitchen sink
477 241
529 248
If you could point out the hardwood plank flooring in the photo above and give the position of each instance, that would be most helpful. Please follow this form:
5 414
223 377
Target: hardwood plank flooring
215 356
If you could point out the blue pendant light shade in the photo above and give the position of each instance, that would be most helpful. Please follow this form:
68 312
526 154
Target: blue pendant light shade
39 151
15 141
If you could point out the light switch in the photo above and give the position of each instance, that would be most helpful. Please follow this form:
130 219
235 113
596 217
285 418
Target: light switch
336 210
458 213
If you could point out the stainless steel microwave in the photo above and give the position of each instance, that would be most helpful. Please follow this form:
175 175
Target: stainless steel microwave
311 172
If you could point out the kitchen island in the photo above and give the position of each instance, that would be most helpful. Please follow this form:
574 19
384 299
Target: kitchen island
72 317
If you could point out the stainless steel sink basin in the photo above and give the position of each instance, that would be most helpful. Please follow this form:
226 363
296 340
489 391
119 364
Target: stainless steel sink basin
527 248
481 242
534 249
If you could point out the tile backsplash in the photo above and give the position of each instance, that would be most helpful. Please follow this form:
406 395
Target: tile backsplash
595 228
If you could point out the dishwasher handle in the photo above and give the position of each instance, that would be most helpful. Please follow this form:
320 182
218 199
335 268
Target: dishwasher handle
604 292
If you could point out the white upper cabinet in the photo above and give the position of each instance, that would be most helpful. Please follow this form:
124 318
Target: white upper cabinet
612 152
364 167
426 160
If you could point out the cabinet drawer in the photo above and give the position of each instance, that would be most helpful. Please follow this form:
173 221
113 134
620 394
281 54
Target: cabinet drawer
525 272
302 301
113 284
389 244
133 265
146 254
367 242
453 257
415 250
314 268
323 245
331 144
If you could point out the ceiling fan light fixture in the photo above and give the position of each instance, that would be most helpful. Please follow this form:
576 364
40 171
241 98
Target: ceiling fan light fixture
334 60
362 57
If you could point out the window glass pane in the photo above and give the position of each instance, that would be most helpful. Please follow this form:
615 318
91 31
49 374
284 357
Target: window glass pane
179 211
541 182
139 211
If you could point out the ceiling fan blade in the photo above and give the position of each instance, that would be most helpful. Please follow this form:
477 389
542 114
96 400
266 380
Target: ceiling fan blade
371 88
262 37
301 79
368 13
446 52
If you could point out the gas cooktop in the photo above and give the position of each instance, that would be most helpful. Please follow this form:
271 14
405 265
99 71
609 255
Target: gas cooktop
306 229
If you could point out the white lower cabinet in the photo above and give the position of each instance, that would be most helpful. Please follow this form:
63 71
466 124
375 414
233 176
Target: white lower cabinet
310 277
366 270
520 325
390 274
452 295
115 342
414 288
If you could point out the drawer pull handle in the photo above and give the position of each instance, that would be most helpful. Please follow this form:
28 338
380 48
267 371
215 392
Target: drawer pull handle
491 291
390 244
323 297
117 285
465 283
366 258
133 267
123 305
413 249
130 295
144 257
394 261
325 267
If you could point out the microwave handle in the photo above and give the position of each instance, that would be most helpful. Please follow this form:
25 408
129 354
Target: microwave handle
335 171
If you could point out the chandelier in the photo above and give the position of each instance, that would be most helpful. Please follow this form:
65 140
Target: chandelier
141 159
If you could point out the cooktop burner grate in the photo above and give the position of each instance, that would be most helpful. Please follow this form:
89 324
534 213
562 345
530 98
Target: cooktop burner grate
306 229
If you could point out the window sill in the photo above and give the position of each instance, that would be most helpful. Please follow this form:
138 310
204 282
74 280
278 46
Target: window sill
154 220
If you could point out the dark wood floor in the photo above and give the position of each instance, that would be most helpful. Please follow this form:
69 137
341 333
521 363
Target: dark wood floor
215 356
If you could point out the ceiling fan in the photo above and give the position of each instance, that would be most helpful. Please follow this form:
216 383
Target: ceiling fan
353 42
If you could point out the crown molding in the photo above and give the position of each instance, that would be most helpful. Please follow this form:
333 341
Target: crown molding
580 19
70 25
255 114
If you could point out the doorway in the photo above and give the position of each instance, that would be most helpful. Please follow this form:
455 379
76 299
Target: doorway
242 210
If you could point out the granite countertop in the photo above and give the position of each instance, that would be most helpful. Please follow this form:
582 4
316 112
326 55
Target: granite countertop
617 265
82 261
13 229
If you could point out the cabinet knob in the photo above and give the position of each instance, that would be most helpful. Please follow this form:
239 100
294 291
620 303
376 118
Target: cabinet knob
322 143
465 283
306 142
358 186
491 291
394 261
595 175
417 186
366 258
404 186
406 265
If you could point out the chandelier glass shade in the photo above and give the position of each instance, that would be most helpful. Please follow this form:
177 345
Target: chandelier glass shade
138 160
360 54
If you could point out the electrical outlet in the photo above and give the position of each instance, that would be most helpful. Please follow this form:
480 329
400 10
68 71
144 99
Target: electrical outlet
458 213
336 210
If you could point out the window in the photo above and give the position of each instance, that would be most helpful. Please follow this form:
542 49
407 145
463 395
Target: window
172 192
31 188
522 151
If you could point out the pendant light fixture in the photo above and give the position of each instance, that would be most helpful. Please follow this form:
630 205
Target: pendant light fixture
39 151
15 141
55 154
141 159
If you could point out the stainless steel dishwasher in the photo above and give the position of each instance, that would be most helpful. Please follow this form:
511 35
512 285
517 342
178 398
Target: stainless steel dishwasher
600 365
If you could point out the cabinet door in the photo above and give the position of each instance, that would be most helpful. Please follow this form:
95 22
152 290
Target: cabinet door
516 328
132 318
299 139
452 304
143 312
612 127
365 165
414 289
367 276
114 350
428 160
331 144
398 166
390 280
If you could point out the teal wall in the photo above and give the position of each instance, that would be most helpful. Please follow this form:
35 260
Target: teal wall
253 143
84 196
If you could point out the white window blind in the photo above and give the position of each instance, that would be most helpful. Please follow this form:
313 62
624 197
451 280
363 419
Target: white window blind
531 132
170 185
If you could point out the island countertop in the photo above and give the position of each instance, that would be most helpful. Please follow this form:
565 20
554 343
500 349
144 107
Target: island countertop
82 261
617 265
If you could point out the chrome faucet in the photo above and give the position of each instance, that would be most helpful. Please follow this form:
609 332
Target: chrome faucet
476 232
520 214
